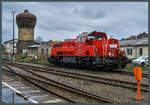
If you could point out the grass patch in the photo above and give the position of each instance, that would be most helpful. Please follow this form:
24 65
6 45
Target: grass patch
31 59
131 66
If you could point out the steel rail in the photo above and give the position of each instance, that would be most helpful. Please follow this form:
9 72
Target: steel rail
129 73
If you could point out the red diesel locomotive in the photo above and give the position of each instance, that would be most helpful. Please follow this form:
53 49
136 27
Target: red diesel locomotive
89 50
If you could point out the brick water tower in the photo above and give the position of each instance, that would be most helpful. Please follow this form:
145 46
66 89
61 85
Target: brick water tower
26 22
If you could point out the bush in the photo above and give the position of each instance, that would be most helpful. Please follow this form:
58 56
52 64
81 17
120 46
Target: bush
25 58
28 58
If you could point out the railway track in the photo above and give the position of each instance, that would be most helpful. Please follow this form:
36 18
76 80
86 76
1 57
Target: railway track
117 83
39 80
28 79
145 75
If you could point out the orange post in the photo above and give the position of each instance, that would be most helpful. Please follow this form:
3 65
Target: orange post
138 76
139 73
138 91
135 73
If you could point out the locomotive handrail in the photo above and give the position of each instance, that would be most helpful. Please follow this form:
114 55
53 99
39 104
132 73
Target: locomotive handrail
112 50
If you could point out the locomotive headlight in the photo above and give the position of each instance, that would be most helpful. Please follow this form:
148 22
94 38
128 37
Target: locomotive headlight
113 45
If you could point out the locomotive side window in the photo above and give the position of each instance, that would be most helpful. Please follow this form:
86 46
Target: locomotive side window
92 37
99 37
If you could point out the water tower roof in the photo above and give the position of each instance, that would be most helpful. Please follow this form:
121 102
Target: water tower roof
26 20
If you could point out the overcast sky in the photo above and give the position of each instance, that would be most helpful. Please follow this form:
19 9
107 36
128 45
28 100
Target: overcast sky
58 21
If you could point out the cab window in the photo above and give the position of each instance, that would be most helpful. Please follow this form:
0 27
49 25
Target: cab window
93 37
98 37
80 39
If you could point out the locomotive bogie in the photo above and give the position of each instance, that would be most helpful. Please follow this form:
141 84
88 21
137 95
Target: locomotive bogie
87 61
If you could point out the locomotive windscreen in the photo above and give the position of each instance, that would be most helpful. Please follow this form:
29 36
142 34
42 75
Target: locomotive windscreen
95 37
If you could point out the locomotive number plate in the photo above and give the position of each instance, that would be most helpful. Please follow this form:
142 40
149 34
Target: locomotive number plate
113 45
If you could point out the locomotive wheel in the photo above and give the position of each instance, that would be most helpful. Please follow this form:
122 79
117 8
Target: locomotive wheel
100 68
110 68
65 65
57 64
119 67
74 66
78 66
83 66
123 66
93 67
107 68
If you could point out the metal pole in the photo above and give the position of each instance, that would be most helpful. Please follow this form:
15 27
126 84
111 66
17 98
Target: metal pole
13 33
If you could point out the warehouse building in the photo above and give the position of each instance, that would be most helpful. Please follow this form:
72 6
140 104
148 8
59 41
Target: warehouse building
37 50
8 46
135 48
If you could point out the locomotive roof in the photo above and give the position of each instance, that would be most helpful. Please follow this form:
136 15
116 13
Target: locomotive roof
92 33
82 34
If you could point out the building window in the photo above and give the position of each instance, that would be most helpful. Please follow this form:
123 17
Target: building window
42 50
140 51
129 51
